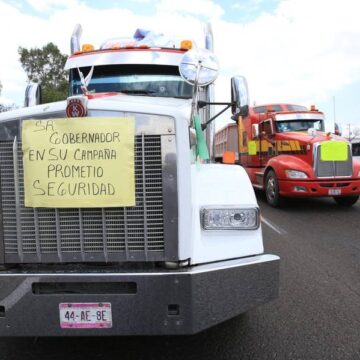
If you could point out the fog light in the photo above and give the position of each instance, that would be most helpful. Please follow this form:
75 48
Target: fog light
299 189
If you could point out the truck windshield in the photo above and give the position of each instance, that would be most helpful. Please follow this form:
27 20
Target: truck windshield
152 80
299 125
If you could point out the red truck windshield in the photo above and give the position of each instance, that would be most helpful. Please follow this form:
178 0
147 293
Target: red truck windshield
151 80
299 125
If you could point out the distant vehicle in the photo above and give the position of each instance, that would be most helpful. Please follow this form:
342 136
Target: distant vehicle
287 153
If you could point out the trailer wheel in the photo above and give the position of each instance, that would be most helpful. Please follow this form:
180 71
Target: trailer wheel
272 189
346 200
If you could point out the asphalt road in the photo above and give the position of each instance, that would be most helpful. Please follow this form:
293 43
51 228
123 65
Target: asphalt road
317 315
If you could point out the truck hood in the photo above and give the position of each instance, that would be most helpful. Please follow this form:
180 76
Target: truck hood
143 104
304 137
124 103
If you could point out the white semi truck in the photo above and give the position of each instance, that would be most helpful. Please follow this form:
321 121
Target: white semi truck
114 219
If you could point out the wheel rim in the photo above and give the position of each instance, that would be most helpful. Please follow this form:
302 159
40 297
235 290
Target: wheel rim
271 188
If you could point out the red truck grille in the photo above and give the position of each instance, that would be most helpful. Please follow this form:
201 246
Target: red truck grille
332 169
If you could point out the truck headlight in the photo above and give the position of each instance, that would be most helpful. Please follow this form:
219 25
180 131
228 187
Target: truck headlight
229 218
294 174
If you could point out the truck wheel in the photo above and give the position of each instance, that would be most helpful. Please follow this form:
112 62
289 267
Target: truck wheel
272 189
346 200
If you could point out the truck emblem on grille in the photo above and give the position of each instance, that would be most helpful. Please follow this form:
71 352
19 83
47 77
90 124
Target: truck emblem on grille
76 107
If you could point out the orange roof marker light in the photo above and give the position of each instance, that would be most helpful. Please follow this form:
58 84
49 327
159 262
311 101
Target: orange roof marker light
144 46
186 44
87 47
313 108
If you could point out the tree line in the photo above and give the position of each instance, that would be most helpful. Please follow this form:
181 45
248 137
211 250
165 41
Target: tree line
45 66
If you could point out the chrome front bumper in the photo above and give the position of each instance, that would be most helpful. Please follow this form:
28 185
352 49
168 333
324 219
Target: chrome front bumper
165 302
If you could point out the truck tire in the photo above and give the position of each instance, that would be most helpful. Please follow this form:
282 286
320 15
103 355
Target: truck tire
272 189
346 200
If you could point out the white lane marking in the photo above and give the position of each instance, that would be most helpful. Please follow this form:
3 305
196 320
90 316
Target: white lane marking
276 228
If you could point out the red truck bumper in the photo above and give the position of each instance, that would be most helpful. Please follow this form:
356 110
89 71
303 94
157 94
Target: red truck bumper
316 188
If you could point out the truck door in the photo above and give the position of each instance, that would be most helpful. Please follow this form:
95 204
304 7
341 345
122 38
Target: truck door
267 141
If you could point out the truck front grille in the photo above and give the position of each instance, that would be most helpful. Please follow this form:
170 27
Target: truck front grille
45 235
332 169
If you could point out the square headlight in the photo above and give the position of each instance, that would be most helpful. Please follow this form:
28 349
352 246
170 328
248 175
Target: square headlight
294 174
229 218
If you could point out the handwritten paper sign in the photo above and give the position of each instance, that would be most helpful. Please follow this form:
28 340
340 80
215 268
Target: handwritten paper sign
334 151
79 162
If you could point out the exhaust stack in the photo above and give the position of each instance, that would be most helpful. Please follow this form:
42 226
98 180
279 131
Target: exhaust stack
75 39
210 130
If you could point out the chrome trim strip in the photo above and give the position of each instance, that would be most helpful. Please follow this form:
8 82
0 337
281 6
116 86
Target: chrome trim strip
144 194
17 199
126 234
103 218
123 57
170 197
193 269
37 235
81 225
58 240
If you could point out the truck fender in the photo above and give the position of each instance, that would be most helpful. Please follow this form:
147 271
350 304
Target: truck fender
218 185
287 162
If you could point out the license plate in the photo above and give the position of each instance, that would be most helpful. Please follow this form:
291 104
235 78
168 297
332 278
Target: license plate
85 315
334 191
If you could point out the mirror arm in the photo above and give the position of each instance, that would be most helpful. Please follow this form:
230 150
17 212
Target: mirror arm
201 104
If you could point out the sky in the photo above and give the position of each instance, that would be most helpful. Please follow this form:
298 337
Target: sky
292 51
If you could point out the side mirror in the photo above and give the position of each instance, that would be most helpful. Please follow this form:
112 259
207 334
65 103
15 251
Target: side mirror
32 95
255 131
312 132
338 130
199 67
239 96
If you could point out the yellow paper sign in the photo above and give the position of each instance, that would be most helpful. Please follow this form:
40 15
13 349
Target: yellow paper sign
252 147
334 151
79 162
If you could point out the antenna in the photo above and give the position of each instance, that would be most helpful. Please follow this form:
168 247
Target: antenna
334 112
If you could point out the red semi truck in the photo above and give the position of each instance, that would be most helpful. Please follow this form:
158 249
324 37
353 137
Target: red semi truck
287 153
